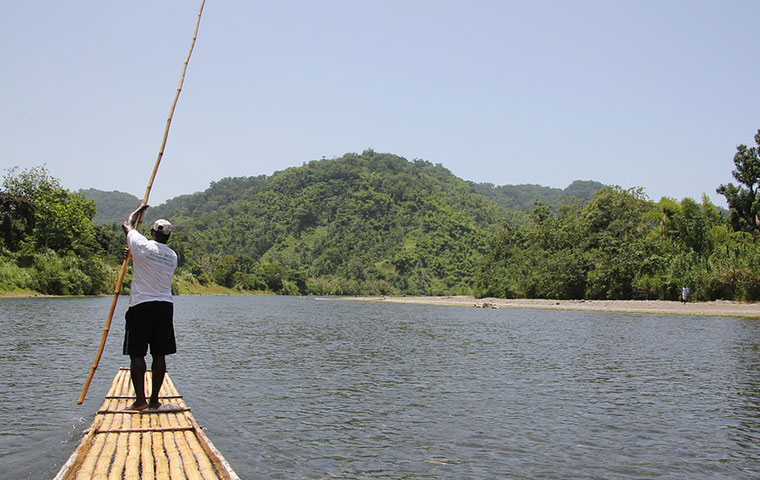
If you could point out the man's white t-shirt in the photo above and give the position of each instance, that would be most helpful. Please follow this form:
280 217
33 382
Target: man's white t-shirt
153 265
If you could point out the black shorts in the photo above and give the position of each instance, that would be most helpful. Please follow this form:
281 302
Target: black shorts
150 323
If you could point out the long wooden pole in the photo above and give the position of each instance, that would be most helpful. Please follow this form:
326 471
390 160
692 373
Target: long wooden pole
125 263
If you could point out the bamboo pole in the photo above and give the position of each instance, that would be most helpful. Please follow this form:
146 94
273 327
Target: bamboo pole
132 467
105 457
121 453
146 453
159 451
124 264
190 466
176 468
204 464
87 468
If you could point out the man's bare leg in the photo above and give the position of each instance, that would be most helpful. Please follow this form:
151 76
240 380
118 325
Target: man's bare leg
137 373
159 370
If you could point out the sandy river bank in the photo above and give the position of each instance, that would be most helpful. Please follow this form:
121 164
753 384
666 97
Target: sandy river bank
719 307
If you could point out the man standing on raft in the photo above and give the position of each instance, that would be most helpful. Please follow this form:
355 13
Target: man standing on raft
151 306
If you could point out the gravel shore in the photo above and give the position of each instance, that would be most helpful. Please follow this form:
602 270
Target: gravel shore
717 308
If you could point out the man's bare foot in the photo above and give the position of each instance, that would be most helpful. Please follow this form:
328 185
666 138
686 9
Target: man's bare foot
138 406
154 405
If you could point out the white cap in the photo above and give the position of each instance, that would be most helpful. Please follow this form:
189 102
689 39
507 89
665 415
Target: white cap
162 226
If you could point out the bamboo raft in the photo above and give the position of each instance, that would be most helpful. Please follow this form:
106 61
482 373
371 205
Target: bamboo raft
166 443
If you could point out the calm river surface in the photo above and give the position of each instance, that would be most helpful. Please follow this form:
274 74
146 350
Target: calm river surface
293 388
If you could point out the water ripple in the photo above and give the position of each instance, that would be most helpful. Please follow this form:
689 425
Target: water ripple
298 388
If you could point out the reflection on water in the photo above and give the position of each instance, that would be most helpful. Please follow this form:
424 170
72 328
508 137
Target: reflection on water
309 388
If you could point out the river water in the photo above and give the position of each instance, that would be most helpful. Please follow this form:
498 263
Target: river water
292 388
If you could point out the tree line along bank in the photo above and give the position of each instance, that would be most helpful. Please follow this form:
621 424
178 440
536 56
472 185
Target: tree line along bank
373 223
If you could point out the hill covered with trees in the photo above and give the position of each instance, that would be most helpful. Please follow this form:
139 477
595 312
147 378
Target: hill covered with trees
375 223
111 206
524 197
114 206
368 223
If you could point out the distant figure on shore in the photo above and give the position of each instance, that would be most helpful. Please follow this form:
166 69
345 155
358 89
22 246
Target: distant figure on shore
150 317
684 294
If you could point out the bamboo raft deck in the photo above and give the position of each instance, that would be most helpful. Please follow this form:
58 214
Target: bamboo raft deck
166 443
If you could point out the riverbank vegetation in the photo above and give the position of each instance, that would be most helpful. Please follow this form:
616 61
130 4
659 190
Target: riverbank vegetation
621 246
377 224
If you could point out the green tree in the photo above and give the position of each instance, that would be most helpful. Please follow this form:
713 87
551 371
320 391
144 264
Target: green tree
48 231
744 199
224 271
615 237
16 220
62 220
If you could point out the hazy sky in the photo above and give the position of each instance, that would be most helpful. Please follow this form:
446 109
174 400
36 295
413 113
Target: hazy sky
655 94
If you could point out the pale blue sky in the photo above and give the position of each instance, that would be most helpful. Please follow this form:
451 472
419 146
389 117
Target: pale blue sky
655 94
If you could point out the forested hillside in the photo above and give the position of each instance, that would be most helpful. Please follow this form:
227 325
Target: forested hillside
524 197
110 206
375 223
369 223
114 206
